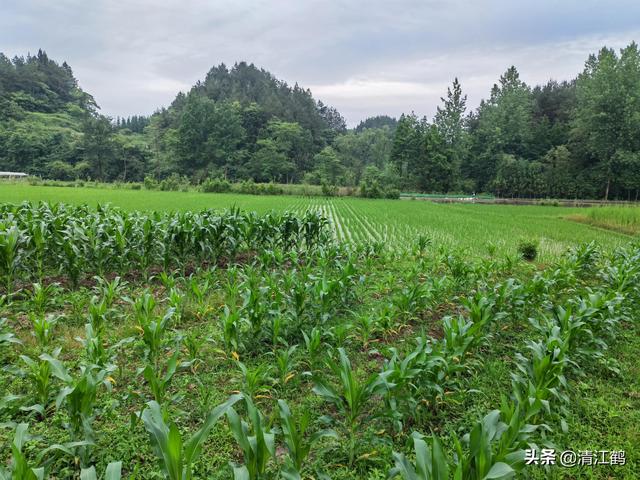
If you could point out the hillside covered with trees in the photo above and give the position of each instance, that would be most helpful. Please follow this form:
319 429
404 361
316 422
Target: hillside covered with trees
576 138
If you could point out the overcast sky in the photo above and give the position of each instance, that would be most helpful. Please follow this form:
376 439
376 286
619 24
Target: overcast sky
365 57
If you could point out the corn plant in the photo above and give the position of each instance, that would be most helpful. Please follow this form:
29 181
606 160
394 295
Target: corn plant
231 329
478 456
255 439
154 330
42 297
11 238
285 364
256 381
431 461
298 442
19 467
112 472
109 291
79 399
6 336
351 396
313 344
40 376
177 456
414 383
160 381
43 326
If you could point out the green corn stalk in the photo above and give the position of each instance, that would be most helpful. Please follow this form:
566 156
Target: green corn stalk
176 457
297 441
352 396
7 337
159 382
10 254
19 466
256 441
43 326
112 472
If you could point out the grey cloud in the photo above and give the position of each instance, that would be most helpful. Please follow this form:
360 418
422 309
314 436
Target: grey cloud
364 57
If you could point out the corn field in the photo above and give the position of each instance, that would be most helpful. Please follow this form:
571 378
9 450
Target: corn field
309 344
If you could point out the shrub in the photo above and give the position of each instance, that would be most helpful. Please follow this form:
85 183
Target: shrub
329 190
150 183
528 249
215 185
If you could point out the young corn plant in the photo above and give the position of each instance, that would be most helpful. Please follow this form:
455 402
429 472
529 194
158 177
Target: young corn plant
285 364
160 381
7 337
112 472
256 381
43 326
43 297
38 372
351 397
255 439
313 344
175 455
19 466
11 253
298 441
78 396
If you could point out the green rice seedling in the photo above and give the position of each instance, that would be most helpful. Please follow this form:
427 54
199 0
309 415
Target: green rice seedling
351 396
177 456
256 441
112 472
298 441
19 467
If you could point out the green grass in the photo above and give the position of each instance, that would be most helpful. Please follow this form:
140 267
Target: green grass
478 228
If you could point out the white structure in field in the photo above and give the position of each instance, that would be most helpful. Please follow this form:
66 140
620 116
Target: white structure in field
12 174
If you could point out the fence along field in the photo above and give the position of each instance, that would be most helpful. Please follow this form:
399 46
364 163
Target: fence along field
342 339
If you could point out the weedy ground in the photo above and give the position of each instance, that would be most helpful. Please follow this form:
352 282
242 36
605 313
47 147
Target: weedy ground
271 325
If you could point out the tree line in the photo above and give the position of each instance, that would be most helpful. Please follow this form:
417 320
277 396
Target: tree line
575 138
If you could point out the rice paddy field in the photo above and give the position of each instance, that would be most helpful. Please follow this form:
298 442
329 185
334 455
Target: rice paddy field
181 335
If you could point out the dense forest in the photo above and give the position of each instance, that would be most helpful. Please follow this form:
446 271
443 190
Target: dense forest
578 138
